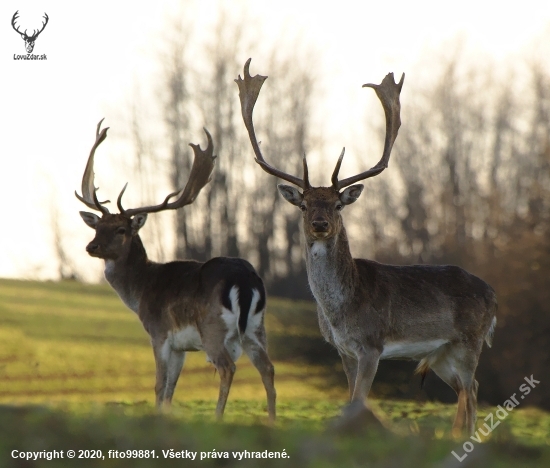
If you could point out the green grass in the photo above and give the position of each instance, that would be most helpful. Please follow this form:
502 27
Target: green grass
75 342
77 372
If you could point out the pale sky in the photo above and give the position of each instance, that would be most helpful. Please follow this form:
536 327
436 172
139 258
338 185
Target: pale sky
97 52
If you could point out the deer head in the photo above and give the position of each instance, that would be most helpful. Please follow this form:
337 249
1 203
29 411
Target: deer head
115 231
29 40
321 206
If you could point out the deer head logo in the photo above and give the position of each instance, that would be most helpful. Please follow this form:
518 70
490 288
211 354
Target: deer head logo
29 40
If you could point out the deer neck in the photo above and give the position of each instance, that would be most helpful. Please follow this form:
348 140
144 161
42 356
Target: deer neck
331 271
128 274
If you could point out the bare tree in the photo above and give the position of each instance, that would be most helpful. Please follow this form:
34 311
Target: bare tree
146 169
219 104
201 92
65 266
176 113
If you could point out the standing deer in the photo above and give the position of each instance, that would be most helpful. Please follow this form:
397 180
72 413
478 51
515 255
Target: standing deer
438 315
217 306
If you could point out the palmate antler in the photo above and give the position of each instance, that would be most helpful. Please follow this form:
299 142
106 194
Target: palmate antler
202 167
388 93
249 89
89 190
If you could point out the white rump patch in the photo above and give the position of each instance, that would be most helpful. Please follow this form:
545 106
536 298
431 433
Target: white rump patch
254 320
412 350
231 317
232 339
254 302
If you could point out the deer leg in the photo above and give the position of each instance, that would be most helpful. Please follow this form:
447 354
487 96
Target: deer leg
460 417
456 366
350 368
367 365
257 353
226 368
475 387
161 372
221 359
466 363
445 370
471 406
466 412
471 412
214 333
174 366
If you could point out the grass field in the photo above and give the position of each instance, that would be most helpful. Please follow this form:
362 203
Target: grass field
77 372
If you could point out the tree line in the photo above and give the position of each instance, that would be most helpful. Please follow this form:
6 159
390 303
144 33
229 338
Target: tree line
468 183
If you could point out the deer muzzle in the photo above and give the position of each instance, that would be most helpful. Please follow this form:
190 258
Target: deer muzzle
320 227
93 249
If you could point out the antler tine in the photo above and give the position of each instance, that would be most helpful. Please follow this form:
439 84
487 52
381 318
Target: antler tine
98 204
119 199
388 93
334 178
13 20
89 197
249 89
306 173
201 170
35 34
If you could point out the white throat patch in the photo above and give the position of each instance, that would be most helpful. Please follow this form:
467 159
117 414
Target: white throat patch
324 285
109 268
129 297
318 249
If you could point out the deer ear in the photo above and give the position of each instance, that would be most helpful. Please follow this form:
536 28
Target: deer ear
138 221
291 194
90 219
351 194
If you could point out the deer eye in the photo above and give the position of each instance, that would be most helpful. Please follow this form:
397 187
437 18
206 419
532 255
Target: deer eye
303 208
121 230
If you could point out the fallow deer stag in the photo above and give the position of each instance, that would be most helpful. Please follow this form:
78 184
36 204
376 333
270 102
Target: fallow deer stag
217 306
438 315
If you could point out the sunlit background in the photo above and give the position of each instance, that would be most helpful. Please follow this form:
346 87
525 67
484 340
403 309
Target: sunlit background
110 59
